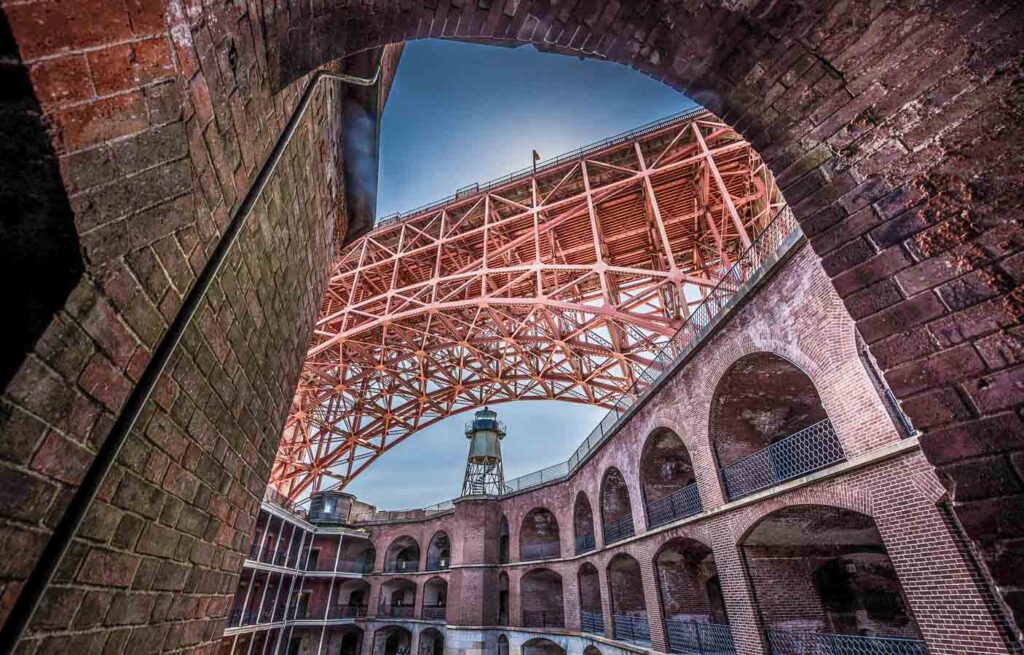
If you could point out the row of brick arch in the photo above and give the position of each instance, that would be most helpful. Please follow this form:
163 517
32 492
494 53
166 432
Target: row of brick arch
818 569
764 404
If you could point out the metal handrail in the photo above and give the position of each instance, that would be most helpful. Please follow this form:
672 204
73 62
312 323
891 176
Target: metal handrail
544 166
784 642
542 550
543 619
679 504
633 628
592 621
786 459
585 543
619 529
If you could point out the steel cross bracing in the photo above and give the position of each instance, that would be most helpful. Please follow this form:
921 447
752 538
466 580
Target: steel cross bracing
559 285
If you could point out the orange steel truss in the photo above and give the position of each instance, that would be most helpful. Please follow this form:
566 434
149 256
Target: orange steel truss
555 283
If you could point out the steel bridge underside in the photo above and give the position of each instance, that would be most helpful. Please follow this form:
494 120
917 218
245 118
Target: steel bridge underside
559 283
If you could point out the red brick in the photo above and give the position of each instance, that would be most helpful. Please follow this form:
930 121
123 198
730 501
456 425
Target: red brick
130 65
99 121
62 80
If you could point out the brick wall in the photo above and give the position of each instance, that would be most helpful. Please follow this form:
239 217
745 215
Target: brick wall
891 131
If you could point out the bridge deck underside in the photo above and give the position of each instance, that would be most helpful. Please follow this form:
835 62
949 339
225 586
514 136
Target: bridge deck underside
561 284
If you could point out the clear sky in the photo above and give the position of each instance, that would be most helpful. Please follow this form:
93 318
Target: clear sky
461 113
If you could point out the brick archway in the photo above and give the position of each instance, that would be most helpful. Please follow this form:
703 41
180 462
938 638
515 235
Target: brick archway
892 133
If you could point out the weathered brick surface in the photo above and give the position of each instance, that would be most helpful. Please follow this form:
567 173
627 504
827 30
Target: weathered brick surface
894 132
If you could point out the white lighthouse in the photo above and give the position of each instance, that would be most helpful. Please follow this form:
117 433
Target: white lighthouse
484 475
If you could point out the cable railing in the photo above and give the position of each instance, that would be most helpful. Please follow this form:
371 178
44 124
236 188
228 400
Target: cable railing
808 450
585 543
784 642
633 628
679 504
696 638
592 621
477 188
619 529
543 619
543 550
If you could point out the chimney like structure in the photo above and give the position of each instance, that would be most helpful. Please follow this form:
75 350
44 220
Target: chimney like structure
484 474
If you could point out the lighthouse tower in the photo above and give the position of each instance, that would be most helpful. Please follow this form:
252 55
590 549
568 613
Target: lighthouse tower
484 475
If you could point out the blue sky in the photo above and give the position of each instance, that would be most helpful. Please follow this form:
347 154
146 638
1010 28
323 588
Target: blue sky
460 113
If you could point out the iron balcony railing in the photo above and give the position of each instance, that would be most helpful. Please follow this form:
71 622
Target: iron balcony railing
696 638
503 618
585 543
677 505
316 612
439 564
619 529
543 619
810 449
346 612
402 567
632 628
543 550
473 189
354 566
397 611
435 612
783 642
592 621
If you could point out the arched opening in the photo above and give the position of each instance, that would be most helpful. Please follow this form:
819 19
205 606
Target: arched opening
538 536
629 608
591 616
502 645
397 599
667 479
431 642
343 640
540 592
540 646
503 541
392 640
691 598
768 425
503 598
591 650
438 552
351 598
822 577
357 555
435 599
583 524
403 556
351 641
616 512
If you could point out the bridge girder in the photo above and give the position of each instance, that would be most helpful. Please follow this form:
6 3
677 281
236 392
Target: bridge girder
557 283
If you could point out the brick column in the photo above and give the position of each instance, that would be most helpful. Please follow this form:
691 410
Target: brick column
659 640
740 601
571 598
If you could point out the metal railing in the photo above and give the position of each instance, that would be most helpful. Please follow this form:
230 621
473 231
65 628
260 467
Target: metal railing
435 612
543 619
696 638
317 612
397 611
619 529
585 543
503 618
438 564
783 642
474 189
404 566
679 504
543 550
346 611
592 622
402 514
632 628
354 566
810 449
